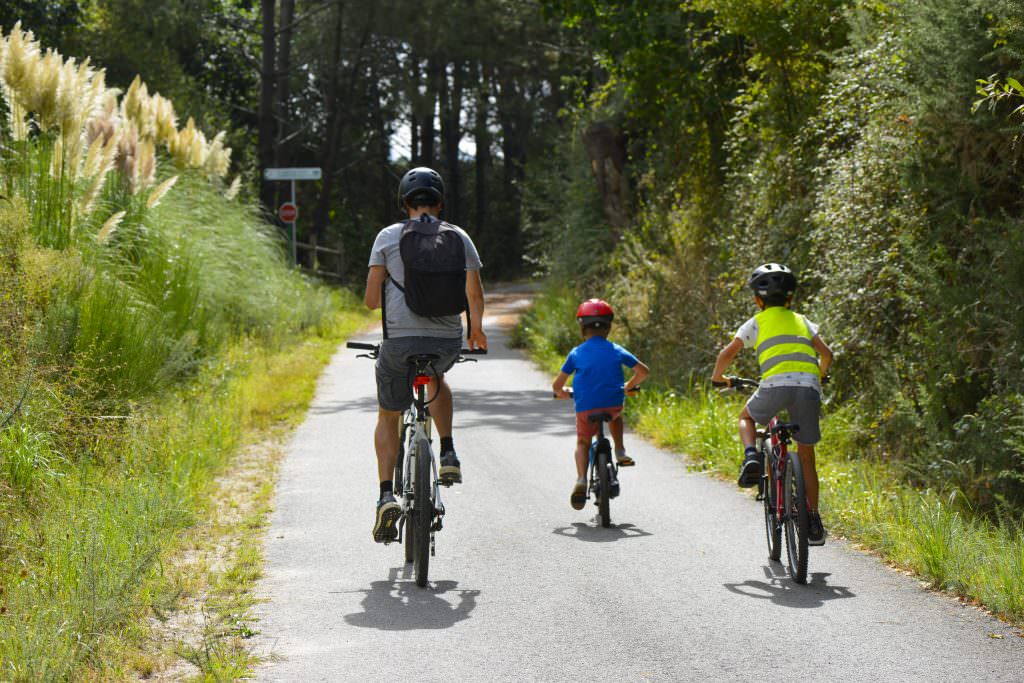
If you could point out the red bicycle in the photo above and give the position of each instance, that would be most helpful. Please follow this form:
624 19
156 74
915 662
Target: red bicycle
781 489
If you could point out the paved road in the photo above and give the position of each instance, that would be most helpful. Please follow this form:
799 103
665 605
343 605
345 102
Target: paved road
523 588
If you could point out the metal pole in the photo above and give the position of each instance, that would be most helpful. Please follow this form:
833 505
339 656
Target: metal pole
295 259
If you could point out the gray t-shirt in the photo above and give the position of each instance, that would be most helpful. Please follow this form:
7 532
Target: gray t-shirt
401 321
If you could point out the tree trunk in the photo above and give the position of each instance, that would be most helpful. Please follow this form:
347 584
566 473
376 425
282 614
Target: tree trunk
427 156
514 119
381 147
266 128
482 137
451 135
333 132
284 80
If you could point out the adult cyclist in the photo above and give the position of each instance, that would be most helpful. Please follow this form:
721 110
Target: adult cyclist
421 195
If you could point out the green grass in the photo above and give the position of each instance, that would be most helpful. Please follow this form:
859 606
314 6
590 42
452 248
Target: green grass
933 534
81 565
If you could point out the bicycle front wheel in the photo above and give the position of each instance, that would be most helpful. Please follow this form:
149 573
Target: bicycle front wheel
770 496
422 513
604 493
796 518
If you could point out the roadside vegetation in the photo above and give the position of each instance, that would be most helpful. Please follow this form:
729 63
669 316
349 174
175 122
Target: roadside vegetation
142 310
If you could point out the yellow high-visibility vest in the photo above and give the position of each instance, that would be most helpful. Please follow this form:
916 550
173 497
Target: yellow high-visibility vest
784 343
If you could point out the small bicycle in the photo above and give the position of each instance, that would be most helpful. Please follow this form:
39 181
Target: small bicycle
781 489
602 472
416 480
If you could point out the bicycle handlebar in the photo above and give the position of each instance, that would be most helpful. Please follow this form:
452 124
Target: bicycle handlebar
736 383
569 389
364 346
744 383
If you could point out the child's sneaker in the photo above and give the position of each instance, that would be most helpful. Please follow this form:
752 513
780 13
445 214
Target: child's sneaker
579 495
816 533
623 460
750 471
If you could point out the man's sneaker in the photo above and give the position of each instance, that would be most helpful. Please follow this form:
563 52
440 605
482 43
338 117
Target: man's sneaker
623 460
750 472
450 472
579 495
385 529
816 533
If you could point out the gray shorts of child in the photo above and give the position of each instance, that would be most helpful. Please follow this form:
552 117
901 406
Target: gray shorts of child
395 374
802 403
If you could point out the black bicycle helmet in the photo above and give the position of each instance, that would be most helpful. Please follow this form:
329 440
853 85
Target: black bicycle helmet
773 281
420 180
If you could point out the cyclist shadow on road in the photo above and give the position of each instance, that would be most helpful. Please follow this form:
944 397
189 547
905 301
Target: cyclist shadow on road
783 591
596 534
398 604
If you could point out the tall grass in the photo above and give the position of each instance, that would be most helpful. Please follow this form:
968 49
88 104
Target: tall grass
139 305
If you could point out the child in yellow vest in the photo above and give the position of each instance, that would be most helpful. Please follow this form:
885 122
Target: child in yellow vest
788 350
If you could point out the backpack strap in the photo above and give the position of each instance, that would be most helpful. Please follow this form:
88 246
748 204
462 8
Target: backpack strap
384 306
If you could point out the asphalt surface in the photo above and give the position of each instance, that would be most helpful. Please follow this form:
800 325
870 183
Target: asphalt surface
524 588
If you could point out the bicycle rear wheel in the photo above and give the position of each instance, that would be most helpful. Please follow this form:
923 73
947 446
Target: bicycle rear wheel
408 537
796 518
422 514
769 494
604 492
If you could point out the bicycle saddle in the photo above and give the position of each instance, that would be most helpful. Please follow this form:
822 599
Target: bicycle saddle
790 427
422 358
600 417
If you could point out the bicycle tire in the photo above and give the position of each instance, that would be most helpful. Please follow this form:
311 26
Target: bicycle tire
772 527
400 483
796 519
604 491
422 513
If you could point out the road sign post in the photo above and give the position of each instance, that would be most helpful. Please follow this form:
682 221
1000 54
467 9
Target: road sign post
292 214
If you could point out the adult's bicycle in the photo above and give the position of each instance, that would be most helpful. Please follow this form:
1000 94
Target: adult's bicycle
781 489
416 481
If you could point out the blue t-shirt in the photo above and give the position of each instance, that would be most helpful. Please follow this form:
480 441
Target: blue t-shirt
598 363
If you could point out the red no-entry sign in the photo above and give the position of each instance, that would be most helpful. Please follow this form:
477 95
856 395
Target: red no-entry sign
288 212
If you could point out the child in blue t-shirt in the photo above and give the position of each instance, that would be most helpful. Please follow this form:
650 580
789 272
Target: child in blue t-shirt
597 387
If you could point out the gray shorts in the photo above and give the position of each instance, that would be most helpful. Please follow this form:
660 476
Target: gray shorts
395 375
802 403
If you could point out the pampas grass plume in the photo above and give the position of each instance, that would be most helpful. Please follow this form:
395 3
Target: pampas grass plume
109 228
161 189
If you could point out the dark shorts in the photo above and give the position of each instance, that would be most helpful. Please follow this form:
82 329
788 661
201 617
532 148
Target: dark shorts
395 374
802 403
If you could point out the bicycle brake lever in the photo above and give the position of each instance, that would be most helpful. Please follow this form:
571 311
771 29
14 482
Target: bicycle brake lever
371 356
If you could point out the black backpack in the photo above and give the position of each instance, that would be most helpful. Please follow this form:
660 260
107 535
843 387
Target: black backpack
435 268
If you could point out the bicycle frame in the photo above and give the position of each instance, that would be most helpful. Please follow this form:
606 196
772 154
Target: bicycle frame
601 441
416 424
775 439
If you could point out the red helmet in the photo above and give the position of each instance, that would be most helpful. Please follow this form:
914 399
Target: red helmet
595 312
